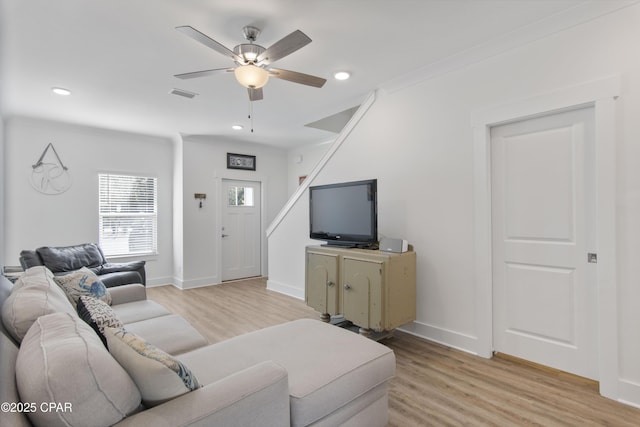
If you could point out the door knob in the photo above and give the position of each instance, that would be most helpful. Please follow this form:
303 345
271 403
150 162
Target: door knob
347 287
330 283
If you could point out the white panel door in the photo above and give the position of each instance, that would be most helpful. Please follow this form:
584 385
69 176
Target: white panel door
543 207
241 234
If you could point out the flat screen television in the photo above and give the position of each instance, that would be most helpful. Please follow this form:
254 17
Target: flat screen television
344 214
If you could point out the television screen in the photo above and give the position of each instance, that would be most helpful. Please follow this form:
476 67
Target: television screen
344 214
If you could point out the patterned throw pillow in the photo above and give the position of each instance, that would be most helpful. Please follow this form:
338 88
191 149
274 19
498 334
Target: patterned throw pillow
158 375
83 282
98 314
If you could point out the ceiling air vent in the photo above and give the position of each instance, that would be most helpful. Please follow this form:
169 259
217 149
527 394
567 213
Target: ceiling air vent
181 92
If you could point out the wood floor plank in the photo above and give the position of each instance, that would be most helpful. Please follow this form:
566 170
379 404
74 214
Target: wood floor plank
434 385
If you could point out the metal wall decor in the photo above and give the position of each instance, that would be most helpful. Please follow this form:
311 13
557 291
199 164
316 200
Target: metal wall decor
50 177
241 161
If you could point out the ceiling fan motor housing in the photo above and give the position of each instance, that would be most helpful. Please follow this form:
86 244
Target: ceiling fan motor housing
249 52
251 33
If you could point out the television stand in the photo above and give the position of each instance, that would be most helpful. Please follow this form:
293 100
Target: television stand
373 290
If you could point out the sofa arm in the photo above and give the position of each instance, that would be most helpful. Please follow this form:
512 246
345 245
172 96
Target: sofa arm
111 280
135 266
113 267
127 293
256 396
29 258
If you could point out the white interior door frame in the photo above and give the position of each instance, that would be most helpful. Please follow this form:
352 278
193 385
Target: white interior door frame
601 94
219 176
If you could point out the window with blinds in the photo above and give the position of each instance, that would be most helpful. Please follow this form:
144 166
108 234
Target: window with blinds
128 215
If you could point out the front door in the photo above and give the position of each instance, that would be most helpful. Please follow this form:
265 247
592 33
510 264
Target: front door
543 219
240 231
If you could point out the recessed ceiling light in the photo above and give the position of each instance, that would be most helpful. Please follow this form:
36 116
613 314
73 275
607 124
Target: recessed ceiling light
61 91
341 75
237 127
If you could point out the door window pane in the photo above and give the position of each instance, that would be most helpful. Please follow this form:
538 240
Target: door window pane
240 196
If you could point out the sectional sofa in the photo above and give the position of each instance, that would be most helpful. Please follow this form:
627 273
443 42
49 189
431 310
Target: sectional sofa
58 369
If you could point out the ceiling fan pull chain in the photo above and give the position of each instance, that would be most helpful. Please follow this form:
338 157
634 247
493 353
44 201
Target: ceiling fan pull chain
251 114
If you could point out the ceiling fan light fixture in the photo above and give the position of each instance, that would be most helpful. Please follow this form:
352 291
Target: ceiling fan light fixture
341 75
251 76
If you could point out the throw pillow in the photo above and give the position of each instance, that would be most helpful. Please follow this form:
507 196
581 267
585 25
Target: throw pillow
83 282
62 360
98 314
158 375
33 295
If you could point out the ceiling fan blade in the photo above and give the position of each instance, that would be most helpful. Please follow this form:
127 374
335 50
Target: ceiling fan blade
294 76
208 41
255 94
203 73
284 47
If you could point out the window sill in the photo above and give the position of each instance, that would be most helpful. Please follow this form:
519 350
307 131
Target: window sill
137 257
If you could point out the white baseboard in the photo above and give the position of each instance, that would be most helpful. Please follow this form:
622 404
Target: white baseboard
160 281
466 343
195 283
282 288
629 393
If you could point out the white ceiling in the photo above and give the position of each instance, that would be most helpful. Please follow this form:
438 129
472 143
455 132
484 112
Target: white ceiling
118 57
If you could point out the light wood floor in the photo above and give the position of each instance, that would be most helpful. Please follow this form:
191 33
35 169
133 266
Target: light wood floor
434 385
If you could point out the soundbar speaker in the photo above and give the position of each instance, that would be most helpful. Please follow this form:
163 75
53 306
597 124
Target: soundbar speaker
394 245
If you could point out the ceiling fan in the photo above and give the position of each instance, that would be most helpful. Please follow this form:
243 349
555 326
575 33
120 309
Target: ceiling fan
253 61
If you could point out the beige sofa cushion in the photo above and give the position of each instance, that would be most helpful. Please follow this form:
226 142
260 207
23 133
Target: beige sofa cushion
8 387
62 360
322 380
34 294
159 376
139 310
170 333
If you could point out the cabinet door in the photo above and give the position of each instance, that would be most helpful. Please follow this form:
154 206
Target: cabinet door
321 284
362 293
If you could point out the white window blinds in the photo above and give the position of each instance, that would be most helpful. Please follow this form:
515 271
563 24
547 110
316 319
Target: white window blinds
128 215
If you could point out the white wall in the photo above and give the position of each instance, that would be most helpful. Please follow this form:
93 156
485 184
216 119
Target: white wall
418 143
3 38
33 219
2 233
302 160
178 214
204 163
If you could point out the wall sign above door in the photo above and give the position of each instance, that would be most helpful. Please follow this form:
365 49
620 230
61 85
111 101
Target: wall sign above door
241 161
